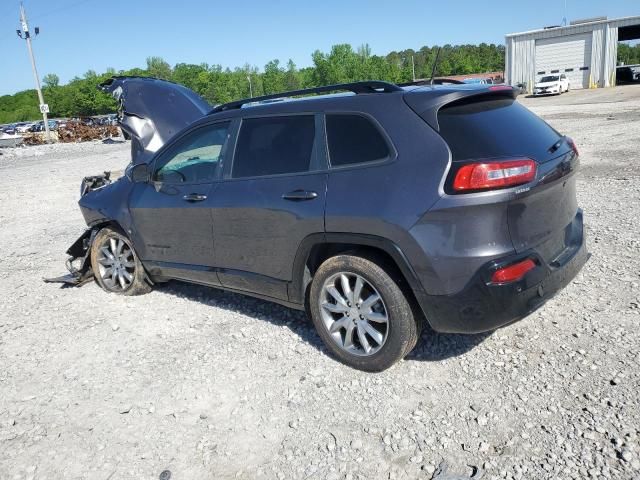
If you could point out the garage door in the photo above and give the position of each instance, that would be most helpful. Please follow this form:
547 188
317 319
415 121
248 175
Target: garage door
570 55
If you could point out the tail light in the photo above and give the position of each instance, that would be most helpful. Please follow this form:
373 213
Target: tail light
513 272
491 175
497 88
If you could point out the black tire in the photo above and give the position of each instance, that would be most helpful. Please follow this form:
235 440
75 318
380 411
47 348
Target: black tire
135 283
402 328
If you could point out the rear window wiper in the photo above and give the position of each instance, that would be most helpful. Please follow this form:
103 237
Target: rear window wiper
557 145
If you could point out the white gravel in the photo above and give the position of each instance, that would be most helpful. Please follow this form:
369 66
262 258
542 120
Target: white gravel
208 384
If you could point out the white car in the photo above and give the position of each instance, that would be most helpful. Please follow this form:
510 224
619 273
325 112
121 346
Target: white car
24 128
552 84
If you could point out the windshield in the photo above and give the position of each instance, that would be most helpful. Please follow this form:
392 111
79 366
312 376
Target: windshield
550 78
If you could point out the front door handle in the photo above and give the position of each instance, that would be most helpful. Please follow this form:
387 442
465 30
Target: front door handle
300 195
194 197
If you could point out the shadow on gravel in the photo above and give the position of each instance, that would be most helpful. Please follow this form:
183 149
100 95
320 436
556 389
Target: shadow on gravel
278 315
432 346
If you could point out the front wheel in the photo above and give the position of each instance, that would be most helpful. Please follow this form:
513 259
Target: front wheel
115 265
361 313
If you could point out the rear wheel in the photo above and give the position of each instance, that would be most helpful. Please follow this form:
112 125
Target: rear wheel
361 313
115 265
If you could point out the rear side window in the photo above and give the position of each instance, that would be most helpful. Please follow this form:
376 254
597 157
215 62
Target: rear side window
274 145
354 139
495 128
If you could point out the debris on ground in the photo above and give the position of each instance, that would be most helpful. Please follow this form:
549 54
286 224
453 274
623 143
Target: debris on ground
78 132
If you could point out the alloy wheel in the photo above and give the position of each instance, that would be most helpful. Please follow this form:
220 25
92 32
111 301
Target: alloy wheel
354 314
116 264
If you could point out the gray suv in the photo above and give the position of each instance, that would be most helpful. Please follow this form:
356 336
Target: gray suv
373 209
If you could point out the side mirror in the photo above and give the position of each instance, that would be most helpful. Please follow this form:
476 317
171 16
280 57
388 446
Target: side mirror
140 173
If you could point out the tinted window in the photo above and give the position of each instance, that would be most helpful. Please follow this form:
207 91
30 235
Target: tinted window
354 139
495 128
274 145
194 158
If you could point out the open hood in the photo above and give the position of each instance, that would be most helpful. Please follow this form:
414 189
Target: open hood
151 111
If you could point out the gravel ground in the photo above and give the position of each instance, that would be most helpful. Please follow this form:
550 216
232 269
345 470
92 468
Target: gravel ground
208 384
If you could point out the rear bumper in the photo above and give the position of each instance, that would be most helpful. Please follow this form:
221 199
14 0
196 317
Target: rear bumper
482 306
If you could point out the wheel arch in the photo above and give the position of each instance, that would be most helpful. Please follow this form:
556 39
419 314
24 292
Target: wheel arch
316 248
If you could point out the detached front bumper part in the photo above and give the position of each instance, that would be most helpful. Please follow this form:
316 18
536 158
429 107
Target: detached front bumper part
78 263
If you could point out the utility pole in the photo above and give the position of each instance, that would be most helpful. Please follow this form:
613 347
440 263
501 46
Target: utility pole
250 87
44 108
413 69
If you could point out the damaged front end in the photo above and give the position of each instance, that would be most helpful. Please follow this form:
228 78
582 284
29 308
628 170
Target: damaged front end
78 263
94 182
150 113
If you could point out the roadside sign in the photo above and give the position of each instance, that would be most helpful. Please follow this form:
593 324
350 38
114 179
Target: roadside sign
44 108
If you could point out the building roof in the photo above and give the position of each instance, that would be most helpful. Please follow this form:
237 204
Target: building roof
568 29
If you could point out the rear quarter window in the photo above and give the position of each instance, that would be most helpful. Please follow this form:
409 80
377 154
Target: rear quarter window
495 128
354 139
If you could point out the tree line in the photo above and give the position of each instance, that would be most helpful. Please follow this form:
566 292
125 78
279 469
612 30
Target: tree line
216 84
629 54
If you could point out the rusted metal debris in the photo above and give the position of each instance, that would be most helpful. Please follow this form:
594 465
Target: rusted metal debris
74 132
77 132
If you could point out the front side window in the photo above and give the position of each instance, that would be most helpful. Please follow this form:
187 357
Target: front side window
354 139
274 146
195 158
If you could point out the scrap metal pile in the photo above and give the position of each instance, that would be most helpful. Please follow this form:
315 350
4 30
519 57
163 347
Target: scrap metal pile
78 132
74 132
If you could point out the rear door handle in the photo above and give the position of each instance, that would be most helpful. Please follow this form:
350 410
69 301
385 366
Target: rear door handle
194 197
300 195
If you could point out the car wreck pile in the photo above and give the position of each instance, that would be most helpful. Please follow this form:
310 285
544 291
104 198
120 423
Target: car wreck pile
74 132
78 132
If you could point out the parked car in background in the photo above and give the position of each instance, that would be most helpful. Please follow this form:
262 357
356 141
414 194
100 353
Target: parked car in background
552 85
627 74
477 227
39 126
24 127
9 129
475 81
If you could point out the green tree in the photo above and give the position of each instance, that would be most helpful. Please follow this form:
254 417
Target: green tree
51 80
218 85
158 68
273 78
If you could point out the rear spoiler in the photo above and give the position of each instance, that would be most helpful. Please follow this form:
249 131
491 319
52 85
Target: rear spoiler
427 102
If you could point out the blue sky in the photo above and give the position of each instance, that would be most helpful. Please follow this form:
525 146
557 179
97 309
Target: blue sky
78 35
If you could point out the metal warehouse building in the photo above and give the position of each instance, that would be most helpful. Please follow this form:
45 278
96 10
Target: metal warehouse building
585 51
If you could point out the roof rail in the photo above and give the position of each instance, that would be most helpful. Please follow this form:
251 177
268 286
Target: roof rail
436 81
355 87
